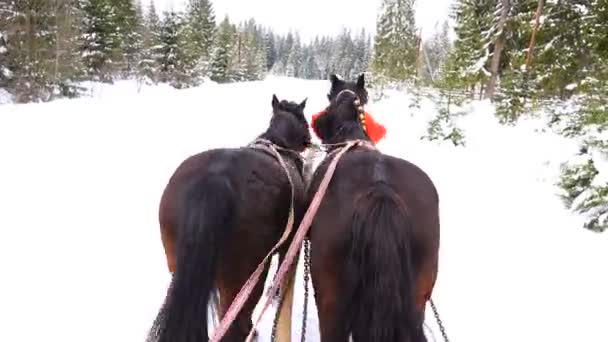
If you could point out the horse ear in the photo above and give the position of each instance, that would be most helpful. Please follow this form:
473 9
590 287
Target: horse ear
303 104
334 79
361 81
275 101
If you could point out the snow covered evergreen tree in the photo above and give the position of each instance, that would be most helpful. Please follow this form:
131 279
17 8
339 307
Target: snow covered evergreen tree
362 54
8 15
173 63
222 56
199 34
271 54
28 52
102 40
5 66
67 66
237 68
345 55
149 64
129 25
471 55
584 74
294 58
396 41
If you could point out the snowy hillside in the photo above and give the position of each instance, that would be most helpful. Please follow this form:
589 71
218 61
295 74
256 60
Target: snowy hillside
81 180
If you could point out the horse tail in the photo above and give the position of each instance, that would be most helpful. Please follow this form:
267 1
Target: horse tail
206 219
379 273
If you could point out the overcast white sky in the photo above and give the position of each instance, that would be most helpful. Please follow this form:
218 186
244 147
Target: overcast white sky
312 17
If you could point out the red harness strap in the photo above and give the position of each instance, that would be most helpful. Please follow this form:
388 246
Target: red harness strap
375 130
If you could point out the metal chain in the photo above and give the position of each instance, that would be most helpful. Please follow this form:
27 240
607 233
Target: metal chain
439 322
306 291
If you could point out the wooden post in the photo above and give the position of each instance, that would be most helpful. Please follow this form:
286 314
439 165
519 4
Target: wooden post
285 310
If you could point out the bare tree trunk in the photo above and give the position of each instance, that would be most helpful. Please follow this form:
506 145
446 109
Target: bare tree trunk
498 47
539 10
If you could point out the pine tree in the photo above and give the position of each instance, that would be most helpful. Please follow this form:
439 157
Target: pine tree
278 67
30 38
310 68
199 35
102 40
396 42
5 65
8 16
471 55
271 51
324 53
220 63
237 67
362 54
149 64
285 49
171 61
67 67
261 63
128 23
294 59
584 191
201 17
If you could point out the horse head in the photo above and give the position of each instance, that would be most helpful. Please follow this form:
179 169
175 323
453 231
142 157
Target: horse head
288 126
344 119
358 87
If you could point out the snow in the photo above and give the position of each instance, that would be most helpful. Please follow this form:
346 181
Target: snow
5 97
81 181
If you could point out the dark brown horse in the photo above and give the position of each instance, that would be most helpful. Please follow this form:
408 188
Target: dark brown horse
375 238
222 211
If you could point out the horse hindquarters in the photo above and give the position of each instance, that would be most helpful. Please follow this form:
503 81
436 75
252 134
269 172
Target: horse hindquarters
379 276
206 215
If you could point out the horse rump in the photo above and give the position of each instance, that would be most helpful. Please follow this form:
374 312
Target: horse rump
378 277
206 219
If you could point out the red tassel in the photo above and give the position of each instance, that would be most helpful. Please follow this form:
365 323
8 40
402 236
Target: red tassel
375 130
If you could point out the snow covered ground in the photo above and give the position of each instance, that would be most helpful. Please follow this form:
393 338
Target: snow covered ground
80 182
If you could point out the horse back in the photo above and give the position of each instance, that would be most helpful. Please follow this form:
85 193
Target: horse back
258 179
362 168
359 171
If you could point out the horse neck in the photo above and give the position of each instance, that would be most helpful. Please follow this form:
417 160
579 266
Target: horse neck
281 134
348 132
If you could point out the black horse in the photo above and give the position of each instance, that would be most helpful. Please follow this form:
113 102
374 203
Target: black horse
375 237
222 211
